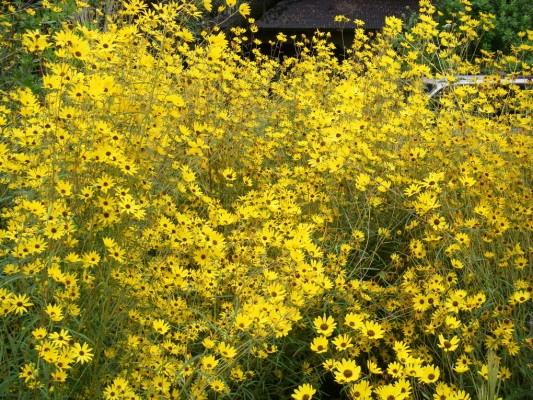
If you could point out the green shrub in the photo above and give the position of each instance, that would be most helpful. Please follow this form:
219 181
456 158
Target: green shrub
510 18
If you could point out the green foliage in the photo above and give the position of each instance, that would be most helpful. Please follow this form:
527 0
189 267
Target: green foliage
47 17
510 18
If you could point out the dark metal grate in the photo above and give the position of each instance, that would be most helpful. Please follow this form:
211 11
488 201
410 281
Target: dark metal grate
320 14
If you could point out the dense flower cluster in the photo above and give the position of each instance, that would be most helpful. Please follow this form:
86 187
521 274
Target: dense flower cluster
182 221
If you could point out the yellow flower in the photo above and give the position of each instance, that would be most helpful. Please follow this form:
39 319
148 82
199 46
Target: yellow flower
62 338
59 376
341 18
373 367
161 384
443 391
82 353
242 322
395 369
244 9
90 259
161 326
358 236
229 174
455 302
86 193
404 385
218 385
226 350
19 303
387 392
342 342
452 322
209 362
373 330
448 345
420 303
187 174
504 373
35 41
231 3
105 182
347 371
461 395
281 37
304 392
462 238
64 188
462 364
361 390
54 230
520 296
29 372
354 321
484 372
325 325
320 344
39 333
80 49
429 374
329 364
